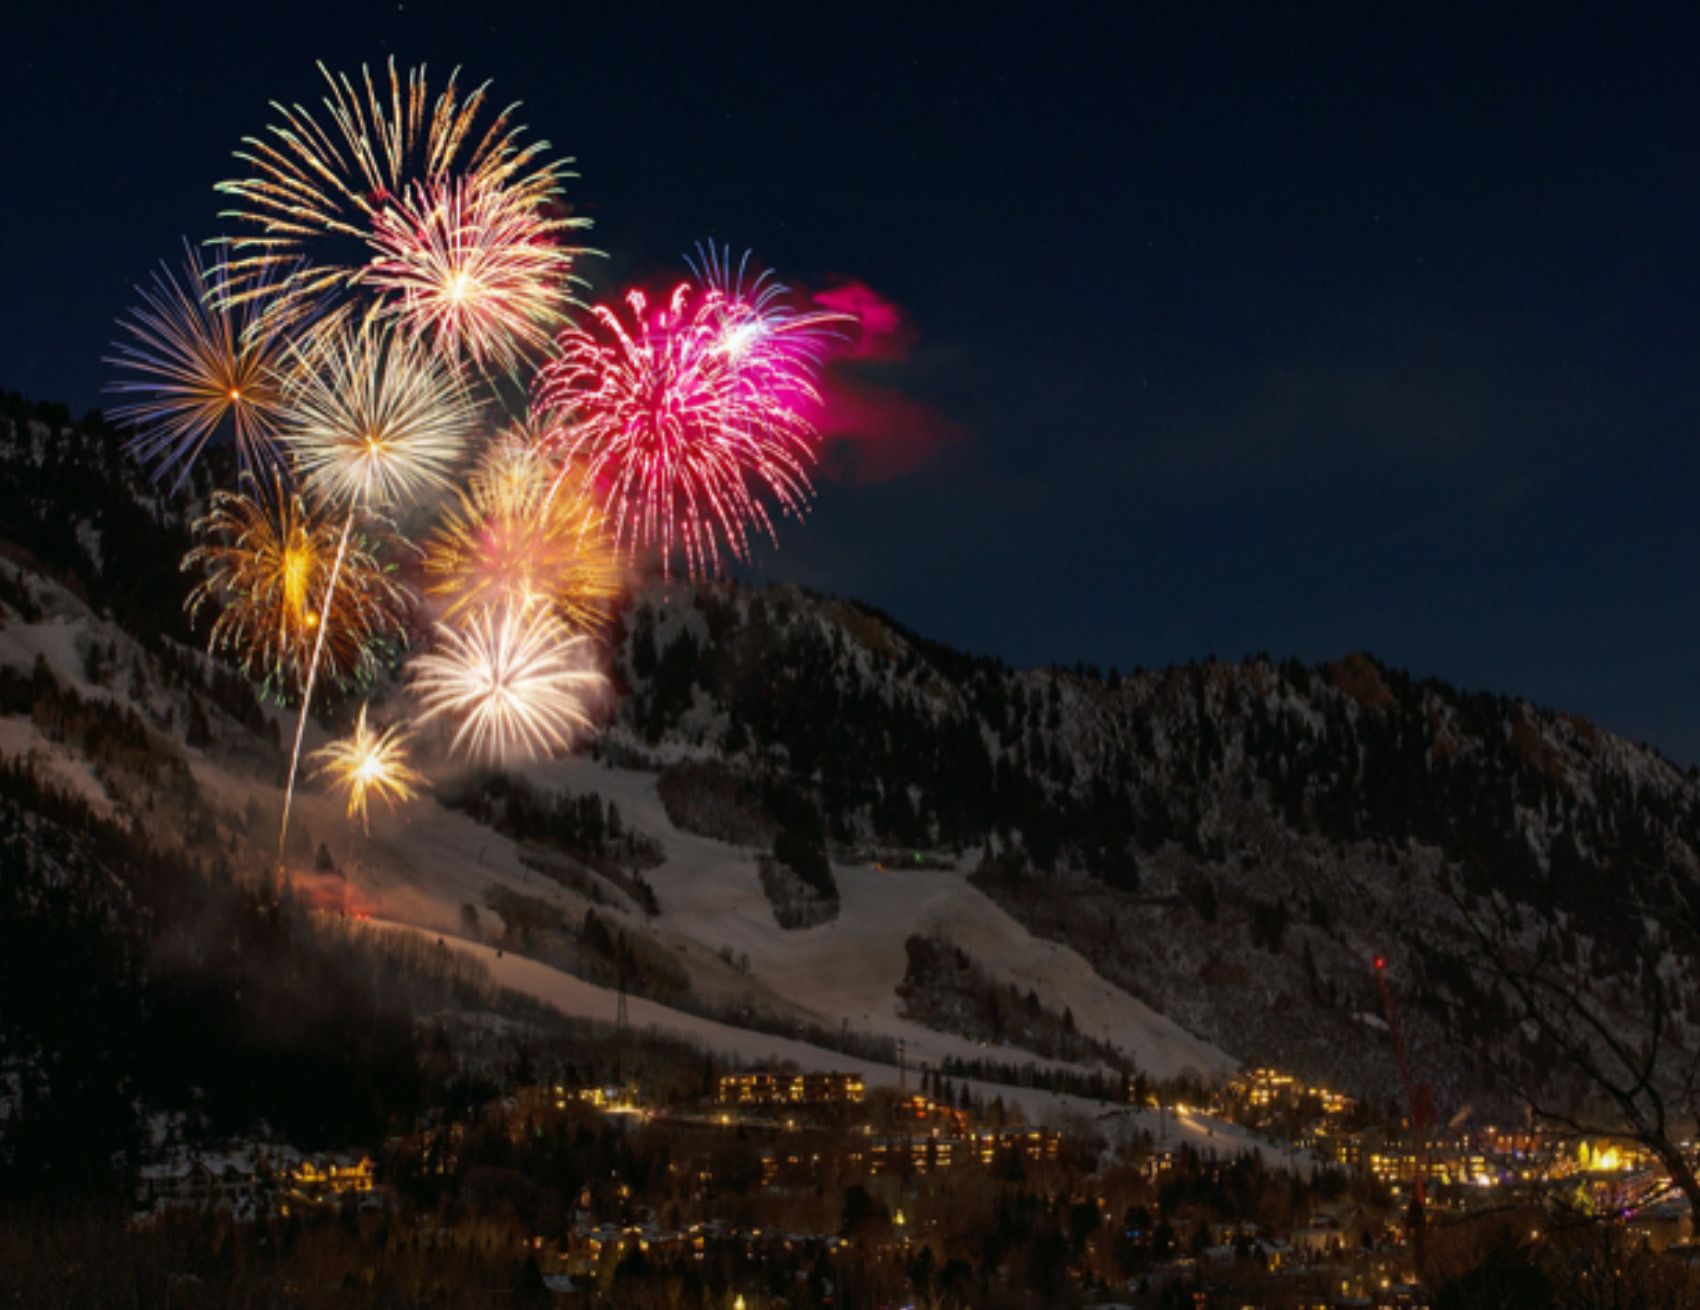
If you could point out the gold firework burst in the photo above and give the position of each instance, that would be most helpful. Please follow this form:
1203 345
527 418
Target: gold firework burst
314 182
514 537
268 562
195 368
368 763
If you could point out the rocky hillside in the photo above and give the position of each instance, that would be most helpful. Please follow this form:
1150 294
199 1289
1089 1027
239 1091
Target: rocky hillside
1233 843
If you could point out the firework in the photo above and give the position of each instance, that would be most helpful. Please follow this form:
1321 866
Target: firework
196 368
369 763
510 540
375 418
758 331
314 182
268 563
516 678
681 424
516 468
474 268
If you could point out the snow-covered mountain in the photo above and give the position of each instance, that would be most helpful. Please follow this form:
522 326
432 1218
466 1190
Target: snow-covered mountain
1234 844
1189 868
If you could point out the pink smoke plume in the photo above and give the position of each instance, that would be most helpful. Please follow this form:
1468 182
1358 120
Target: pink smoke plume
871 431
882 330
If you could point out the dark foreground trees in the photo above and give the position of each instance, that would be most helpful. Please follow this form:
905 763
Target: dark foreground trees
1593 1024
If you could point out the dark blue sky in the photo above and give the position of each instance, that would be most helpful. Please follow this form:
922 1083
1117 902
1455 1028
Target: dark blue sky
1268 327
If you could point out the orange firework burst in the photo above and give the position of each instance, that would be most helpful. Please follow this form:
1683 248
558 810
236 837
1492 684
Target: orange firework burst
268 565
516 469
519 681
375 418
196 367
511 540
369 763
312 182
474 267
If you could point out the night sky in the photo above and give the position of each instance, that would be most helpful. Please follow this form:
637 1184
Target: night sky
1229 328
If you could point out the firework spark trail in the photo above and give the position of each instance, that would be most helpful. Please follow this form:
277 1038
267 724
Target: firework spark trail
517 678
369 763
196 366
311 184
307 694
682 423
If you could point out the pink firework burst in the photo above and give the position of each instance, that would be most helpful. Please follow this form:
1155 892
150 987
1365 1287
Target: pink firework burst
689 422
759 332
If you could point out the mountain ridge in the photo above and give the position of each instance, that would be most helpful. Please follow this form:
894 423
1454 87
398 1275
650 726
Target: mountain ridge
1229 843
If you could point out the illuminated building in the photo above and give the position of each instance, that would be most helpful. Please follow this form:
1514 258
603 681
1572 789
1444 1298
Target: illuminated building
771 1089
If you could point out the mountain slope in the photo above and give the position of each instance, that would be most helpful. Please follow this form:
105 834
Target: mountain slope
1196 864
1233 843
197 766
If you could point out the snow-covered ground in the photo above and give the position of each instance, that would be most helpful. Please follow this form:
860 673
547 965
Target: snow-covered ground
848 970
54 762
423 864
